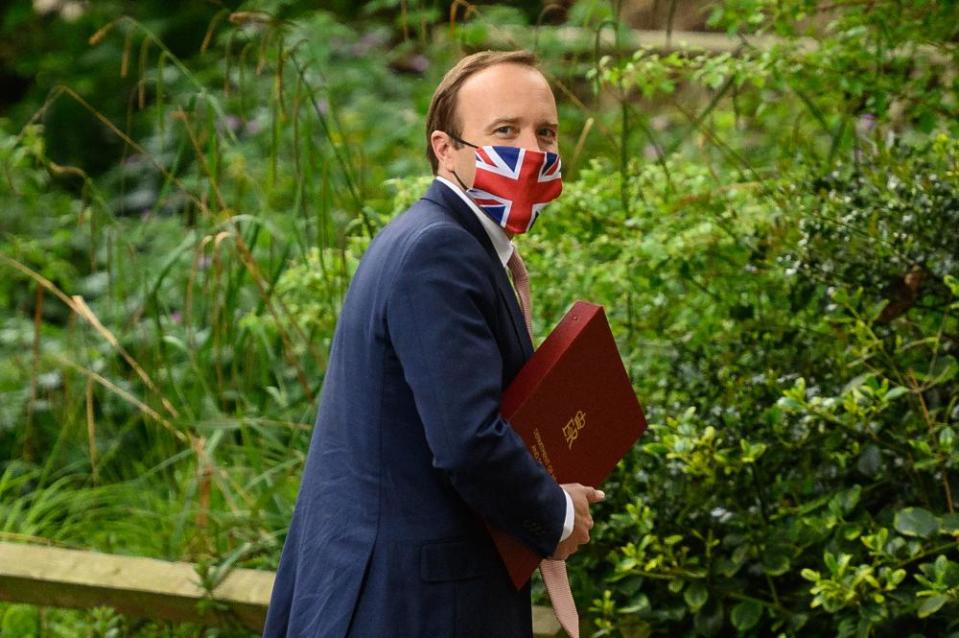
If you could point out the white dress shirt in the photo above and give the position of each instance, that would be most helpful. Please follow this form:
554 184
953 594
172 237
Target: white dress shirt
504 250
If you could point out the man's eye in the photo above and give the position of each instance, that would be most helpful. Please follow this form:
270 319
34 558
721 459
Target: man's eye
548 133
505 130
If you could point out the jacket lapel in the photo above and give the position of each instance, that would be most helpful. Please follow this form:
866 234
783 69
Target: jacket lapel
441 194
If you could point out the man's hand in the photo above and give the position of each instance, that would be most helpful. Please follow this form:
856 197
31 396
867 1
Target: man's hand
582 496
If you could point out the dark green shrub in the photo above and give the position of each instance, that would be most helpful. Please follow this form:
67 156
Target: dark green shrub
799 477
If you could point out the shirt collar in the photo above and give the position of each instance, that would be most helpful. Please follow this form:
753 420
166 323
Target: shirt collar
497 235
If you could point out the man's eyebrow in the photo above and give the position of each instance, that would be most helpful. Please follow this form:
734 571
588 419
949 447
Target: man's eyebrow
515 120
503 120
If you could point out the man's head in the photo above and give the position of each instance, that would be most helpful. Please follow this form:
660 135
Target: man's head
495 98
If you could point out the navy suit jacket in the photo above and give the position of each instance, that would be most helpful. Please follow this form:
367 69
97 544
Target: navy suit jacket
410 453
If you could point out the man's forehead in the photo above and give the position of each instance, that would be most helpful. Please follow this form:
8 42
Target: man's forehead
506 78
507 91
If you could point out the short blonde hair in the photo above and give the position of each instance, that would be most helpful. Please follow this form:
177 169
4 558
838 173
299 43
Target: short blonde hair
442 115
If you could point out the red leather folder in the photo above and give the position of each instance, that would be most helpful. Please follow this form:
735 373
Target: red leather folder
573 405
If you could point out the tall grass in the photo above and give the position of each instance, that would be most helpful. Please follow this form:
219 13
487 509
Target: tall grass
166 358
169 383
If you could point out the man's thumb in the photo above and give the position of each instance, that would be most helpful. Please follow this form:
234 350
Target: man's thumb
596 496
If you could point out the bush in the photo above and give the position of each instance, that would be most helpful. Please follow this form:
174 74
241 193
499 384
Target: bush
799 474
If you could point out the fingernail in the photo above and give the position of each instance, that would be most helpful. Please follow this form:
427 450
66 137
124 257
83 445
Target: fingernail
601 493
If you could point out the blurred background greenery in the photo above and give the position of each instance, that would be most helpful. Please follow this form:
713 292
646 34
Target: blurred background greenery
767 208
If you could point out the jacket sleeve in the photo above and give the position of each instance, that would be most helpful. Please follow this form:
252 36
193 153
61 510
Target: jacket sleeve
439 315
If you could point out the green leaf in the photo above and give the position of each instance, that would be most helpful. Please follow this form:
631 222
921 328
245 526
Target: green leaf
850 498
950 523
726 566
947 438
657 449
696 596
746 614
932 604
830 560
638 606
850 531
857 382
776 560
810 574
176 343
953 284
789 403
870 460
896 392
915 521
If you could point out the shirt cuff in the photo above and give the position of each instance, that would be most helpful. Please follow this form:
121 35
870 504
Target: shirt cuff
570 518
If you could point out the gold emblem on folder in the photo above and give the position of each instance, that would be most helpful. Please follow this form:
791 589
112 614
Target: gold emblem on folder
573 426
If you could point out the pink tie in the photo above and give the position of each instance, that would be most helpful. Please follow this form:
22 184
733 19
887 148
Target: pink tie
553 571
521 282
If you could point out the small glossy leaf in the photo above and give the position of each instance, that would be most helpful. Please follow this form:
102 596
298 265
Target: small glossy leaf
950 523
789 403
915 521
931 605
776 560
947 438
850 498
870 460
746 614
850 531
896 392
696 596
857 382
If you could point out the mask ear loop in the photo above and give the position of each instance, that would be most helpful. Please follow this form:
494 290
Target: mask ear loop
462 185
460 140
464 142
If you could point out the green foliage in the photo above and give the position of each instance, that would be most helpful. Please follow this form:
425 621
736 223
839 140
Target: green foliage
20 620
797 335
803 417
820 439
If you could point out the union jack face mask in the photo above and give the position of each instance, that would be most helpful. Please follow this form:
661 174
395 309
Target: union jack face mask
512 185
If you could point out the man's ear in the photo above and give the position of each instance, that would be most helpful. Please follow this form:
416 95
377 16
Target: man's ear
443 149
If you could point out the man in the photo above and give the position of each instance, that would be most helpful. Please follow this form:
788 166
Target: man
410 455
